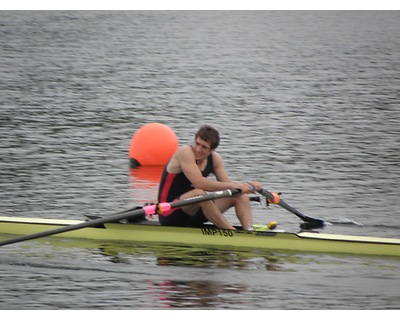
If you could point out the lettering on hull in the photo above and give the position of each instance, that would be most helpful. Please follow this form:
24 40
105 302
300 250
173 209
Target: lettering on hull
217 232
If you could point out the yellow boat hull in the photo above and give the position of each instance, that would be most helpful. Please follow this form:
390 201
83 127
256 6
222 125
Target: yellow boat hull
152 232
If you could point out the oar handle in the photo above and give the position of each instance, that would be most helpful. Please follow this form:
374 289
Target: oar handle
166 206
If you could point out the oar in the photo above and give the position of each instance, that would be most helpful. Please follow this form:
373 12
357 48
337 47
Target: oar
126 214
310 223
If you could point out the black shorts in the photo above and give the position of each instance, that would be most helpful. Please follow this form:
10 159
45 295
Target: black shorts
180 218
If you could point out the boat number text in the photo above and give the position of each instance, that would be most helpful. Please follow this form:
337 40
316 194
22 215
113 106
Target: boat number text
217 232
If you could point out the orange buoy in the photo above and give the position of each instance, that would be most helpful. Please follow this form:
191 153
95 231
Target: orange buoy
152 145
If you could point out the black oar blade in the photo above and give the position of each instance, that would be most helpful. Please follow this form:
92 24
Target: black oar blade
312 224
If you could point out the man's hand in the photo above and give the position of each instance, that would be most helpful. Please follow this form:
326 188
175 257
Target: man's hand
246 187
256 186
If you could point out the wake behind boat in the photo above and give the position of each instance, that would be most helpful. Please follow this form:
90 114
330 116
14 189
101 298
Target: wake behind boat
147 231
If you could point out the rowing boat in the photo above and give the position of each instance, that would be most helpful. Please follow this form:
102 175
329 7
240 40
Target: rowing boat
149 231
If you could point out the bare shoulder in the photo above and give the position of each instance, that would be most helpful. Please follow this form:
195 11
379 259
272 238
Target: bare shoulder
182 155
217 159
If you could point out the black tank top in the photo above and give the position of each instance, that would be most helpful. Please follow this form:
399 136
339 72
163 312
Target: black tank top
172 186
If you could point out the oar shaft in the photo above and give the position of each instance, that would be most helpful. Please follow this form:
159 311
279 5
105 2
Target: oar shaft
281 203
91 223
313 223
286 206
128 213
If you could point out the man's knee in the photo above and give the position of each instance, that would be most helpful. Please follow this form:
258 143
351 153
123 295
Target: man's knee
199 192
243 198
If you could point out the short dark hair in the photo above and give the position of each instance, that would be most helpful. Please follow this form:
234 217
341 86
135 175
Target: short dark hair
209 134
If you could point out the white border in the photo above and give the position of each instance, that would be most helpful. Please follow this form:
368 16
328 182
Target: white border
199 5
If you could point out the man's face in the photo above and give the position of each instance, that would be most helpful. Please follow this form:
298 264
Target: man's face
201 148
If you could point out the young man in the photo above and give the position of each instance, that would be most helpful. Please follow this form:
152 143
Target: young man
185 176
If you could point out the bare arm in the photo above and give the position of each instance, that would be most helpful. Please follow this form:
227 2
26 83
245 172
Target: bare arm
219 169
188 166
222 175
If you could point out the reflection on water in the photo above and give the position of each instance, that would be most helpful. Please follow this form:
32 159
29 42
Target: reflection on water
118 275
144 183
196 293
161 254
182 256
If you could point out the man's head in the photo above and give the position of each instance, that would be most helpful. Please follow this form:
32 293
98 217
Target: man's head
210 135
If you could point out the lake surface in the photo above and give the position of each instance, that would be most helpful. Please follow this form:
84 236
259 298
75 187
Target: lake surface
308 103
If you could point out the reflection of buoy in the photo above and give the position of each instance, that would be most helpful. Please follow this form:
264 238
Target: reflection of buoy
152 145
144 183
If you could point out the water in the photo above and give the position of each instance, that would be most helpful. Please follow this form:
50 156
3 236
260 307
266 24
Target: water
306 102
